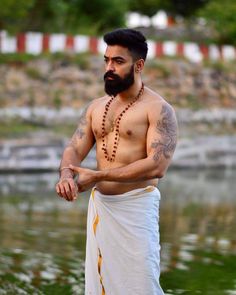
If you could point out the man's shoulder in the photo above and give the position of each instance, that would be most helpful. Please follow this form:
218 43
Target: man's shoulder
155 100
98 101
156 104
95 103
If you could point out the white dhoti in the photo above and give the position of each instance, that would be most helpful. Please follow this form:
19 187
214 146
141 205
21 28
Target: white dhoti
123 249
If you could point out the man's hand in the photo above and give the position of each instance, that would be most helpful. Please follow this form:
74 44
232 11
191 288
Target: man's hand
86 177
67 189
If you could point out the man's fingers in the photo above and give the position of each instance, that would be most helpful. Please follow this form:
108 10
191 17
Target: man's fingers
68 193
64 191
67 189
59 190
73 188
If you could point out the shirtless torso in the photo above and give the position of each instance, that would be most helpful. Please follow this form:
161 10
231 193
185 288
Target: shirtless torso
132 137
147 137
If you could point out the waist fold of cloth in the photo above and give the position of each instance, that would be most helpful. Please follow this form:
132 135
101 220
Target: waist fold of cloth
133 194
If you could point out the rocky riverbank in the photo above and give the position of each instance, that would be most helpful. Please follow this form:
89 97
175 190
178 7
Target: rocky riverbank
74 81
48 93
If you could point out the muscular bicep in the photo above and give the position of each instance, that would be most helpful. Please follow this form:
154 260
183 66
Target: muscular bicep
83 139
162 136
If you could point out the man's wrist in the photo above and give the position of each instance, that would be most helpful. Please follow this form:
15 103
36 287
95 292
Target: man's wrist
66 172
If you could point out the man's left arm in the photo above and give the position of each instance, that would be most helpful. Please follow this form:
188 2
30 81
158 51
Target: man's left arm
161 144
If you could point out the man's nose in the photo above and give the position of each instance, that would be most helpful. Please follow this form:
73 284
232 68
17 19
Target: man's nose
110 66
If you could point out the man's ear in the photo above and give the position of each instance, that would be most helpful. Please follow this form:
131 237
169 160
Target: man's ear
139 65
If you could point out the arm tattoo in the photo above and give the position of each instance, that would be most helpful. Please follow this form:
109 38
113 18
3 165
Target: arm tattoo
79 133
166 128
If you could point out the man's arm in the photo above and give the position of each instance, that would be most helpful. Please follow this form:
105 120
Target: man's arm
80 143
79 146
161 144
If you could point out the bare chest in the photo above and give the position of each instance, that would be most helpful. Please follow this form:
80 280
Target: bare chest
132 125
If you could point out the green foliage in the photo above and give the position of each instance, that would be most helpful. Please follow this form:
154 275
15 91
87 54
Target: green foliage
16 128
146 7
221 16
98 15
221 66
46 16
33 73
13 14
82 60
172 7
161 68
16 58
72 16
183 7
200 273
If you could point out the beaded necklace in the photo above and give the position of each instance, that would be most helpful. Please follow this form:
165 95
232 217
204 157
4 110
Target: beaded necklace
115 125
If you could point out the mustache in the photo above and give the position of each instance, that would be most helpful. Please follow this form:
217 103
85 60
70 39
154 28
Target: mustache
110 74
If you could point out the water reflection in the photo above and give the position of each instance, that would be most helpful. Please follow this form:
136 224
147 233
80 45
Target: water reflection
198 232
42 239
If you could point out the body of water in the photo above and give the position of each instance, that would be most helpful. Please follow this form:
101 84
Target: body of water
42 237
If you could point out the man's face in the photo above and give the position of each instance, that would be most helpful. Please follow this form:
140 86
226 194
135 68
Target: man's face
119 74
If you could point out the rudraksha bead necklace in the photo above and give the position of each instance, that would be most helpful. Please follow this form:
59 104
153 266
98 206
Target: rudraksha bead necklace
116 126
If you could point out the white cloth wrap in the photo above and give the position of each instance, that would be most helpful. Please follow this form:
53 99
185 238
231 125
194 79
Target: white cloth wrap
123 239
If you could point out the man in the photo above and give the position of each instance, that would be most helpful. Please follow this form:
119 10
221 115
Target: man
135 132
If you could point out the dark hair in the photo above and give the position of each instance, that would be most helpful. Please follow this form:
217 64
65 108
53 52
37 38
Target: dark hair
128 38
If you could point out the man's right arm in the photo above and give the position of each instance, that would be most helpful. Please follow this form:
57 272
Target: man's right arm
79 146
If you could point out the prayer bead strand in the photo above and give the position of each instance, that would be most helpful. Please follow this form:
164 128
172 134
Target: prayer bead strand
116 125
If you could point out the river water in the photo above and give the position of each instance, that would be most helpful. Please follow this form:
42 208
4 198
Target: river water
42 237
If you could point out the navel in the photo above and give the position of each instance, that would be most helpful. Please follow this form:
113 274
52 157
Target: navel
129 132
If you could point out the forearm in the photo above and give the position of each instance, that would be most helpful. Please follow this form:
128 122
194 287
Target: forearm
143 169
69 157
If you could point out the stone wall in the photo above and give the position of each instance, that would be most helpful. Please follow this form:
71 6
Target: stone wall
63 83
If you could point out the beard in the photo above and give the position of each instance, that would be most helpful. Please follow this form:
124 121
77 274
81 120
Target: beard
118 84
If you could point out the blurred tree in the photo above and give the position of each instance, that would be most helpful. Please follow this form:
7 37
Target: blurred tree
69 16
183 7
13 14
221 16
146 7
46 16
172 7
96 15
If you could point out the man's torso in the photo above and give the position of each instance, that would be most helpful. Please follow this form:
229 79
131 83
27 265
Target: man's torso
132 145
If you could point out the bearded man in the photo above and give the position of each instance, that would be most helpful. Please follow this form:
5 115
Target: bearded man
135 132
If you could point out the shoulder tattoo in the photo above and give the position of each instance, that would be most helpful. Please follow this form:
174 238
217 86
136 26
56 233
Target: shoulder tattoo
80 131
166 128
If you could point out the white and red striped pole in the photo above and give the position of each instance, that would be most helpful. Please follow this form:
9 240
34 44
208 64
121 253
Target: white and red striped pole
36 43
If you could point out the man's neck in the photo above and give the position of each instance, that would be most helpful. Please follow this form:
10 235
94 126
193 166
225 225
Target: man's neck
131 93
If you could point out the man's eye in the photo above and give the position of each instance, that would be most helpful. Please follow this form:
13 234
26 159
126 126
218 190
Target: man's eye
119 62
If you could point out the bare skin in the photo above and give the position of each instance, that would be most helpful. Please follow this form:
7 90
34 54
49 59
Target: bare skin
147 140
